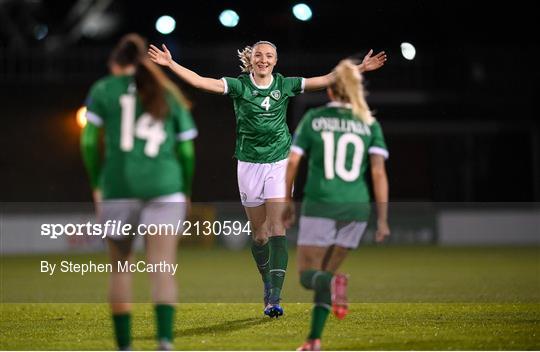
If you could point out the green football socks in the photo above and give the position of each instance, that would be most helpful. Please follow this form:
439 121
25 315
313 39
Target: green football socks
165 322
320 282
122 330
279 257
261 254
318 319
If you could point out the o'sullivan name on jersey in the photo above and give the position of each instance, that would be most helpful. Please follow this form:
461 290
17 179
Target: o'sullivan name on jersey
67 266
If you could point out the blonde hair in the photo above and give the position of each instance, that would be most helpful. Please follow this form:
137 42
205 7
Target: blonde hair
245 55
348 87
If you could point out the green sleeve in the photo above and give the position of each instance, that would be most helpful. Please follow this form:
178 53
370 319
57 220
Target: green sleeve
233 86
186 154
96 102
184 126
186 131
293 86
90 153
378 144
302 136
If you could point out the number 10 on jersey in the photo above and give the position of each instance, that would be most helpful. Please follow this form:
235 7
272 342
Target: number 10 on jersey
339 153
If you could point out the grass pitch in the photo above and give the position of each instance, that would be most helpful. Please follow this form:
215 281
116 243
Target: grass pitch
406 298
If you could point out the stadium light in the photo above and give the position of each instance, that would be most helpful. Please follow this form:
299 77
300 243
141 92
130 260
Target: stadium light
165 24
302 12
81 116
408 51
229 18
41 31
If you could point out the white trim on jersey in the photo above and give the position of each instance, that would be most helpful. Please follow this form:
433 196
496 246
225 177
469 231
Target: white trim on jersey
94 119
260 87
226 88
338 104
297 150
378 151
187 135
303 85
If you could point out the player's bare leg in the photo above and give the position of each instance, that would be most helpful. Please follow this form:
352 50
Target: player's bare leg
335 259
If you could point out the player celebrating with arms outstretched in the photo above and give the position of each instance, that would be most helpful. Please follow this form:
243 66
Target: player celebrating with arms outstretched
260 99
342 140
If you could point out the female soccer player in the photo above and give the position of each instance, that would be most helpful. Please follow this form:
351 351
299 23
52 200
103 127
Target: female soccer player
263 140
342 140
146 175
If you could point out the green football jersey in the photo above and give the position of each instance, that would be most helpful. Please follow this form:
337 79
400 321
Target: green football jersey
338 145
262 134
140 155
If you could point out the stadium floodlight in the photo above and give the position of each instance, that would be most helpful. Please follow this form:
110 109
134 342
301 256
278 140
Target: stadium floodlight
408 51
229 18
41 31
81 116
302 12
165 24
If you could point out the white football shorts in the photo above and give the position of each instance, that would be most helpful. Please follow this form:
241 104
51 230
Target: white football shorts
258 182
168 209
324 232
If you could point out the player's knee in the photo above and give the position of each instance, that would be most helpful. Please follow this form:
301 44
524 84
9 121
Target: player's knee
276 228
260 234
260 240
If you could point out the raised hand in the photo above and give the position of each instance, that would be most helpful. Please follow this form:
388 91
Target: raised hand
160 57
370 63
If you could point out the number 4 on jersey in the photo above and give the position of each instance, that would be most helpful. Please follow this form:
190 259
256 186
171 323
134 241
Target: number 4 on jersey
147 128
266 103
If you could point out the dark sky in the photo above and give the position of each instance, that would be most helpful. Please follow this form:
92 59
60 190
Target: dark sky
334 23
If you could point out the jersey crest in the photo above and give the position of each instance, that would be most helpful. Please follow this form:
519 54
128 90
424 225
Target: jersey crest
276 94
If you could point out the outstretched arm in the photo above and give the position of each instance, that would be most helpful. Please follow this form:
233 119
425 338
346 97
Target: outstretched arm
369 63
164 58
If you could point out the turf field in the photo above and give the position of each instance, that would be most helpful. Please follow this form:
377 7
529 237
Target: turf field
405 298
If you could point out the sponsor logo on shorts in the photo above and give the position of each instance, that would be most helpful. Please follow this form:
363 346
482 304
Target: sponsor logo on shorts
243 196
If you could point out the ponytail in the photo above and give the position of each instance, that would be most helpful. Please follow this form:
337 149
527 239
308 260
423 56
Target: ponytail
245 59
152 84
151 92
348 87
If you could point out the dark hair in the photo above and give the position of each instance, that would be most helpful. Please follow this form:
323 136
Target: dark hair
152 84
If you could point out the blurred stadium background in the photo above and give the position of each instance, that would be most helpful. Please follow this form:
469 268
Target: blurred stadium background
460 118
456 103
